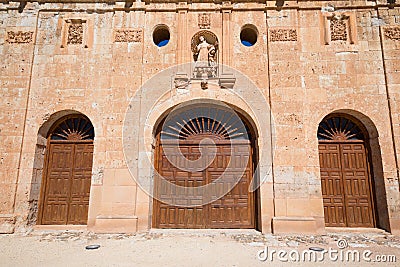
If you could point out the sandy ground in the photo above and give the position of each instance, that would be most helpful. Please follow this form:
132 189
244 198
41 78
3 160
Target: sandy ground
61 248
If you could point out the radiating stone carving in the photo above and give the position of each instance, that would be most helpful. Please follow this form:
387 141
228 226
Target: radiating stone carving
283 35
75 33
19 37
204 21
392 33
338 28
129 35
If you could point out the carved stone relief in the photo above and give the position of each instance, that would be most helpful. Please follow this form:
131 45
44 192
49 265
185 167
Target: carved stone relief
19 37
338 29
392 33
204 21
75 33
283 35
128 35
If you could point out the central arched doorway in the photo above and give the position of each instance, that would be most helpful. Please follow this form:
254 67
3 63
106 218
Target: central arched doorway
345 165
67 174
206 147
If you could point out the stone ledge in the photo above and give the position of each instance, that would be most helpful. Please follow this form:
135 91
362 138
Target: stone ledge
7 223
115 224
296 225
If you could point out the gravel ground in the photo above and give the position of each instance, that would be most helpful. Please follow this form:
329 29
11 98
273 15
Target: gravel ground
191 248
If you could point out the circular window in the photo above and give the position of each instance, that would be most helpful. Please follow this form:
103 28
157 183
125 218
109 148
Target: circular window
248 35
161 36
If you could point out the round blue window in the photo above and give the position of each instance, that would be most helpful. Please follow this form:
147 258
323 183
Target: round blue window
248 36
161 36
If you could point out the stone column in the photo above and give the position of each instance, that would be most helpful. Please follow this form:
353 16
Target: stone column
226 33
183 44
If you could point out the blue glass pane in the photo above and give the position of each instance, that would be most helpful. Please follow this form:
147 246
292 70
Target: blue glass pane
162 43
246 43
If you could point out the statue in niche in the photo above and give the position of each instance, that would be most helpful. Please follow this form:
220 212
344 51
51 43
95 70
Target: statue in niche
205 54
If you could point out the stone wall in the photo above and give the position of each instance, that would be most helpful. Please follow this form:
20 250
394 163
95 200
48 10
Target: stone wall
310 60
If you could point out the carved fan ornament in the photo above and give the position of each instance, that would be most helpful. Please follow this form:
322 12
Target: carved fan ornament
339 129
210 122
73 129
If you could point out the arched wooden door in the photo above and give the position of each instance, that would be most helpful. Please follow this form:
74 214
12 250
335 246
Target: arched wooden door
180 140
67 175
347 188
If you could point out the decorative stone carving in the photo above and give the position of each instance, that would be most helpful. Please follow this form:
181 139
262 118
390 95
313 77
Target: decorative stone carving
129 35
19 37
181 83
204 84
283 35
392 33
75 33
204 21
205 48
338 28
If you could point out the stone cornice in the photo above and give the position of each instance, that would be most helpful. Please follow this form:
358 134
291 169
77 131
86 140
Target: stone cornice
188 5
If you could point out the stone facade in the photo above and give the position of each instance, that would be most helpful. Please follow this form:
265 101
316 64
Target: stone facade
310 58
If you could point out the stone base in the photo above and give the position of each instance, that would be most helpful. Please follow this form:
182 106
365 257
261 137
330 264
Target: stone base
297 225
395 226
115 224
7 224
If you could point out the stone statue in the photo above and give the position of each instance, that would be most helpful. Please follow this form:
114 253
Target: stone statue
206 53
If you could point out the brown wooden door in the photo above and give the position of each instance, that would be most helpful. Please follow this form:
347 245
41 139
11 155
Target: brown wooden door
346 184
234 210
67 183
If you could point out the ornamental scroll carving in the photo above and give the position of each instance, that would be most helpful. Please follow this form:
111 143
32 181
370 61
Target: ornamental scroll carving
19 37
392 33
283 35
128 36
204 21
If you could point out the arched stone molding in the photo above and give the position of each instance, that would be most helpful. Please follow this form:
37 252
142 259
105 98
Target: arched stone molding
157 97
383 186
39 160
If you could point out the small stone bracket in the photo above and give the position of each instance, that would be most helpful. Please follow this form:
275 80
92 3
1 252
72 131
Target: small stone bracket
181 81
227 81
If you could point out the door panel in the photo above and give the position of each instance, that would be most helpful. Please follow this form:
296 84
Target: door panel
357 186
58 183
234 210
331 182
67 183
346 187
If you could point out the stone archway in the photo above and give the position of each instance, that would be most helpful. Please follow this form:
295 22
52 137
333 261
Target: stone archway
349 186
67 168
205 132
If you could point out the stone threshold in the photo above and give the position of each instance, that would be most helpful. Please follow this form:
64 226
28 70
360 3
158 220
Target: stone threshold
69 228
205 232
355 230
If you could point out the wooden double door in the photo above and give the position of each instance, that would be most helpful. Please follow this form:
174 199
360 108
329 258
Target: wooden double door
347 189
66 185
179 209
